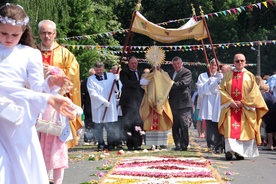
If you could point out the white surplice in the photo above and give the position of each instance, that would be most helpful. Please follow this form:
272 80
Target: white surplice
21 159
210 102
99 92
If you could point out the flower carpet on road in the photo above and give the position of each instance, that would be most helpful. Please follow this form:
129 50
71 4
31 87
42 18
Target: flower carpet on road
155 170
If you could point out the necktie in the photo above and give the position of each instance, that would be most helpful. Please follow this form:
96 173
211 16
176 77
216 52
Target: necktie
174 74
136 74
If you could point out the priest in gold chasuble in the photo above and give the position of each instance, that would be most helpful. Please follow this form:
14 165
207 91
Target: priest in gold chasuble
56 55
242 109
155 110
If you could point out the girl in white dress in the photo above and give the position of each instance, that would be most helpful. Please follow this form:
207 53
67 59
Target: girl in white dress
21 159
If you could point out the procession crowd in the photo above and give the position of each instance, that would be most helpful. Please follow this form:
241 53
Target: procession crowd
42 83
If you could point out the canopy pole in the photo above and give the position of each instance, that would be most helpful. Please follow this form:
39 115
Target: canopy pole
202 43
209 36
129 36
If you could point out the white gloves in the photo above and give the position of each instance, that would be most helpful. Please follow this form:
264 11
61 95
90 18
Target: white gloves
106 104
220 76
144 82
116 77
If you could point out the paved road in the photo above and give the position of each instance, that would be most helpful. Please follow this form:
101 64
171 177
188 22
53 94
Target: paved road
259 170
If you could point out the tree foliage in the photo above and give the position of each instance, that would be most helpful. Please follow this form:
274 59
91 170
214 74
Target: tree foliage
87 17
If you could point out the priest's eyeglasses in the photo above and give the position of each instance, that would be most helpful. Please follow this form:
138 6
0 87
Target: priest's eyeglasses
239 60
47 33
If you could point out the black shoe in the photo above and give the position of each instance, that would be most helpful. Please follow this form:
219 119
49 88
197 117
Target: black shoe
219 149
137 148
184 148
110 148
100 147
228 155
153 147
176 149
238 156
163 147
120 147
130 148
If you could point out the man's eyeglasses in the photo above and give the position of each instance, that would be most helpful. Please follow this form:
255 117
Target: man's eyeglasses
47 33
239 60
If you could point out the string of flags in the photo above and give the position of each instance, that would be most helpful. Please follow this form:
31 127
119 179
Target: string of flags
229 12
192 63
170 48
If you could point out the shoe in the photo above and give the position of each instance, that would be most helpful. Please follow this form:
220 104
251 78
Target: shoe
219 149
137 148
120 147
268 148
184 148
153 147
130 148
86 144
176 149
110 148
202 136
163 147
228 155
100 147
238 156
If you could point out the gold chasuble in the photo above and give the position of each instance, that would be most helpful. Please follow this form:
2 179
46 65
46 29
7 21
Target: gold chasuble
64 59
155 110
242 124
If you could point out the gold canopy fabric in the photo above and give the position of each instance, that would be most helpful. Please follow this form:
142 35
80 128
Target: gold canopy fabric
190 30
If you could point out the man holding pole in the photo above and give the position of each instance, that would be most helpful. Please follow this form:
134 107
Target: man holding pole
100 87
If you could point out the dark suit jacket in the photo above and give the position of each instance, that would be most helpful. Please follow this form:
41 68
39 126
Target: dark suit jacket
85 99
132 93
180 94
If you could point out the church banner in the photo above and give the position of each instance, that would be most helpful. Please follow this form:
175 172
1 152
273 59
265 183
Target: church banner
191 30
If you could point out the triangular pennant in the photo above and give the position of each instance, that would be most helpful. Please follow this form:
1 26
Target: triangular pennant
271 2
259 5
265 4
249 7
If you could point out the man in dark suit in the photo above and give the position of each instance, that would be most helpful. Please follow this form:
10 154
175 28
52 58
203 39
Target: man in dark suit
181 103
130 101
86 105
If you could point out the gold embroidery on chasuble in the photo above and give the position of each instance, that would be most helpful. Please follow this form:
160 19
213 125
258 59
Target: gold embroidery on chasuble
236 114
236 92
155 123
238 76
235 125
